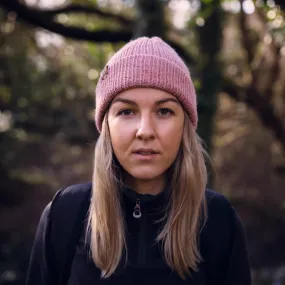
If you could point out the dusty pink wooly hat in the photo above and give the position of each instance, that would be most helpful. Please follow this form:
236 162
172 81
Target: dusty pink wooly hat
145 62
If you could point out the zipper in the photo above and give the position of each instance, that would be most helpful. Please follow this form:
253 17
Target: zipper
142 241
142 233
137 211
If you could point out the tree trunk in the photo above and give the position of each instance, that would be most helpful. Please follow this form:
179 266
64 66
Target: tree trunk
209 39
150 19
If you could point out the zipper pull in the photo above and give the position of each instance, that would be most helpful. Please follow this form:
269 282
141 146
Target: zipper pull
137 211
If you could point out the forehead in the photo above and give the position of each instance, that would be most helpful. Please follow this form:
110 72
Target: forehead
144 95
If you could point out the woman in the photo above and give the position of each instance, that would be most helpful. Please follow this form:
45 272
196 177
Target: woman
150 218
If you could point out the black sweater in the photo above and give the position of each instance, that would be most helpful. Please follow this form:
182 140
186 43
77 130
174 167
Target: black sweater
222 246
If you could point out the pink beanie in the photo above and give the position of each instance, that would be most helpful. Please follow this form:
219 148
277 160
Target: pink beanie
145 62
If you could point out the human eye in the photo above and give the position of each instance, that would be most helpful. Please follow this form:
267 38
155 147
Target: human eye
165 112
125 112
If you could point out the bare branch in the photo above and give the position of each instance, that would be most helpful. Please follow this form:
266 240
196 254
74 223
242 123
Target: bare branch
75 8
273 76
259 104
275 69
37 19
40 19
246 41
273 45
282 94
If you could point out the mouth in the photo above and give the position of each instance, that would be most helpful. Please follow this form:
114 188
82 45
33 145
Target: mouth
145 154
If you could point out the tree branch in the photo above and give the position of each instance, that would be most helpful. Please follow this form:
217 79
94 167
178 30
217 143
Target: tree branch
76 8
262 17
246 41
259 104
37 19
275 69
40 19
273 75
282 94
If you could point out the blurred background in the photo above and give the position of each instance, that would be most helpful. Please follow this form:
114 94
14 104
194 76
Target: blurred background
51 56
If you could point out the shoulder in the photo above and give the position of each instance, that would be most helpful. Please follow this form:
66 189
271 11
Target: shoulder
217 203
69 193
222 216
73 196
74 191
219 228
220 211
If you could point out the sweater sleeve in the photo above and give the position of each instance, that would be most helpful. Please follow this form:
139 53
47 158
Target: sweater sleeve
237 261
40 270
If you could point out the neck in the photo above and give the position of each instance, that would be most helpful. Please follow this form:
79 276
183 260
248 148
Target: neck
144 186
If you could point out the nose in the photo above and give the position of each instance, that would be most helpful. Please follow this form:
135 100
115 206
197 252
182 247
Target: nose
145 129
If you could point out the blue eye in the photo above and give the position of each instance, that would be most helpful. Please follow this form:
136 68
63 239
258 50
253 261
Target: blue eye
165 111
125 112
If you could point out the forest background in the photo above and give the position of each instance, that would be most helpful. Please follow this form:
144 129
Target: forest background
51 56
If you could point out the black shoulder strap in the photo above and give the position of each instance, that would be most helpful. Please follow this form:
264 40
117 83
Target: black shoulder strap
68 214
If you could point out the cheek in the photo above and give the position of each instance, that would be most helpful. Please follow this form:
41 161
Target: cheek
120 137
171 140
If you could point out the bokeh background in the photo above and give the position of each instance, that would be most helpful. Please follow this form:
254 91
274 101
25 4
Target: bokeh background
51 55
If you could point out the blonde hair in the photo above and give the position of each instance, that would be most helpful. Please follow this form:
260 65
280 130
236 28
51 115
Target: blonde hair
184 214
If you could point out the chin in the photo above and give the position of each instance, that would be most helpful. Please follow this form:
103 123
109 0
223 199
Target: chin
145 174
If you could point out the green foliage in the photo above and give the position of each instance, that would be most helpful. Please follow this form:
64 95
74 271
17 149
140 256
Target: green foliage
207 2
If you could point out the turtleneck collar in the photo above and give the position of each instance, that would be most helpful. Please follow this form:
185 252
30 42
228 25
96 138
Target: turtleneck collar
146 198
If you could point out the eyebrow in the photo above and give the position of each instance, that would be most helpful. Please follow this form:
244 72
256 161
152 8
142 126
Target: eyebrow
158 102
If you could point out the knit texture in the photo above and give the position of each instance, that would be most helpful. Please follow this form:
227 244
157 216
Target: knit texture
150 63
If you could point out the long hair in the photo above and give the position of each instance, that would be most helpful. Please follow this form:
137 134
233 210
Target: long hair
184 214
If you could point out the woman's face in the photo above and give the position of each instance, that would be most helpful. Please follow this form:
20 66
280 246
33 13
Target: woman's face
146 127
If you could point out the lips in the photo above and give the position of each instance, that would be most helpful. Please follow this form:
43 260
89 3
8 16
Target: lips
143 151
145 155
